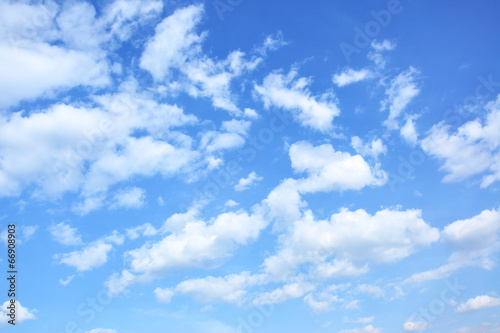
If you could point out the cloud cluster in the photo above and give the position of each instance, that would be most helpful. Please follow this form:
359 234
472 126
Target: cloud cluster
472 149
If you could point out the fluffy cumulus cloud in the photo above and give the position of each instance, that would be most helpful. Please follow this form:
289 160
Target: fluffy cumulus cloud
478 303
474 241
22 313
328 170
190 242
65 234
291 93
472 149
349 241
174 40
89 126
92 256
88 149
44 49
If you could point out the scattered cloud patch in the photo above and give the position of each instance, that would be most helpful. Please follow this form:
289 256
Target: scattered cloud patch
291 93
478 303
249 182
349 76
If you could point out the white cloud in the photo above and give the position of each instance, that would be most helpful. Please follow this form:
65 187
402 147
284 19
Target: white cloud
348 242
92 256
118 283
36 68
231 203
482 328
175 53
251 113
350 75
246 183
123 16
291 93
43 49
164 295
329 170
229 289
375 54
25 234
173 43
470 150
65 234
322 301
143 230
67 280
22 313
28 231
190 243
213 141
401 92
411 326
474 240
352 305
236 126
83 149
272 43
289 291
366 329
477 233
129 198
205 77
373 149
409 133
478 303
385 45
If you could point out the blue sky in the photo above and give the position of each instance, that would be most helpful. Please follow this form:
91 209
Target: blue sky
251 166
